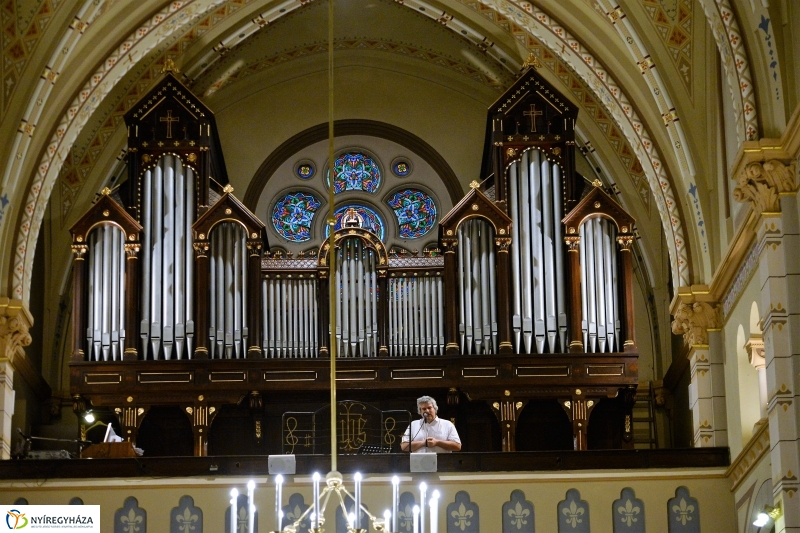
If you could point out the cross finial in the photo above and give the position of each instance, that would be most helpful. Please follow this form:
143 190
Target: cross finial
474 184
597 183
228 188
106 191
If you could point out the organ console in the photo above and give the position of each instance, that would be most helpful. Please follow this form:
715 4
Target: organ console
178 302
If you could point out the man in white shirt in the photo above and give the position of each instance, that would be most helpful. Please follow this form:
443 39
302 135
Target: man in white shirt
431 434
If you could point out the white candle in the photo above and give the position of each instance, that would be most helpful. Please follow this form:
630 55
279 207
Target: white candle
387 520
234 497
357 510
395 502
423 489
315 516
415 513
251 508
435 512
278 487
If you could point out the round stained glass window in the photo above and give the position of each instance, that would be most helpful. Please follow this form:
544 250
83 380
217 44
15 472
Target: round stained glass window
354 171
358 216
401 167
305 169
293 214
415 212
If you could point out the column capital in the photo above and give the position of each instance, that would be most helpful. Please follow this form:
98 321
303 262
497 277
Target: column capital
756 351
694 319
15 324
761 182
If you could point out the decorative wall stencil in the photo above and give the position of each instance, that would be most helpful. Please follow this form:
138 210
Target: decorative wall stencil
241 516
518 516
628 513
4 201
186 518
673 22
683 512
341 521
295 510
463 515
130 518
21 501
405 517
573 514
76 501
293 215
415 212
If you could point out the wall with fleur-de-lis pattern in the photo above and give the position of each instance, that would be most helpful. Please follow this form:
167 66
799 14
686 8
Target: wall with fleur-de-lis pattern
684 512
186 518
518 515
505 502
573 514
341 521
628 512
130 518
463 515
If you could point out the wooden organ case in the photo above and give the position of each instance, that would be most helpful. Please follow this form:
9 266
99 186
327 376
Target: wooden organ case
528 299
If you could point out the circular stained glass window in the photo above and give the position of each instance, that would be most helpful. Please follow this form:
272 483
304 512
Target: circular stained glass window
293 214
358 216
355 171
401 167
305 169
415 212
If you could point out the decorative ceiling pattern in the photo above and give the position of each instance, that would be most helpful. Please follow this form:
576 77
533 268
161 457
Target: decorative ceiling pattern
404 49
673 21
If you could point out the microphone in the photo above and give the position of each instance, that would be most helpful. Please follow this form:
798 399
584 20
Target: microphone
424 419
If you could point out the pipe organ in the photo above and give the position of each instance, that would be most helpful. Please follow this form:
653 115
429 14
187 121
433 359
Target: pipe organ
528 294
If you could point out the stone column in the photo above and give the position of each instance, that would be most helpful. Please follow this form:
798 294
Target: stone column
770 186
700 324
15 324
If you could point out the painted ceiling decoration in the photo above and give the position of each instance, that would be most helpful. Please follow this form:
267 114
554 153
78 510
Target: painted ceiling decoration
178 16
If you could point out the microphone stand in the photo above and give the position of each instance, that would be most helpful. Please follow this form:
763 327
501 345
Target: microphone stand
424 419
24 448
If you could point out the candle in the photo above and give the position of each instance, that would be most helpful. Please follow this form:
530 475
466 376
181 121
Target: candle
387 519
395 501
435 512
278 513
315 516
234 497
251 508
423 489
357 510
415 513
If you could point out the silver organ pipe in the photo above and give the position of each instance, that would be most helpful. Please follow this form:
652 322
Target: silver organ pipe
167 307
539 317
600 290
416 315
228 312
476 274
105 333
289 299
357 302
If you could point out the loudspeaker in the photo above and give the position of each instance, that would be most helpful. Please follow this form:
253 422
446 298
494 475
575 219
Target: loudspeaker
282 464
423 462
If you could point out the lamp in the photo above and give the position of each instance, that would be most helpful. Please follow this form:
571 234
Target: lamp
88 416
766 514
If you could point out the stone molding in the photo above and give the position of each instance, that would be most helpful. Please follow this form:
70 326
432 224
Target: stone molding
694 319
756 351
756 448
761 183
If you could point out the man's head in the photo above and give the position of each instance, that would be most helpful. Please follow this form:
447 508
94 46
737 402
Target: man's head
426 406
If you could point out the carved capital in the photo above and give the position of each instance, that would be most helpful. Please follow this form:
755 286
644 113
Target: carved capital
625 242
15 324
573 243
693 320
502 244
755 351
132 249
200 248
761 182
79 250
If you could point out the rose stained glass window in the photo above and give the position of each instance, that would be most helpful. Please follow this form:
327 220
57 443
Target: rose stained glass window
354 171
358 216
415 212
293 214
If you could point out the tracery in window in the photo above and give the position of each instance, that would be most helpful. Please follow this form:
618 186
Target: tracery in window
415 212
293 214
355 171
